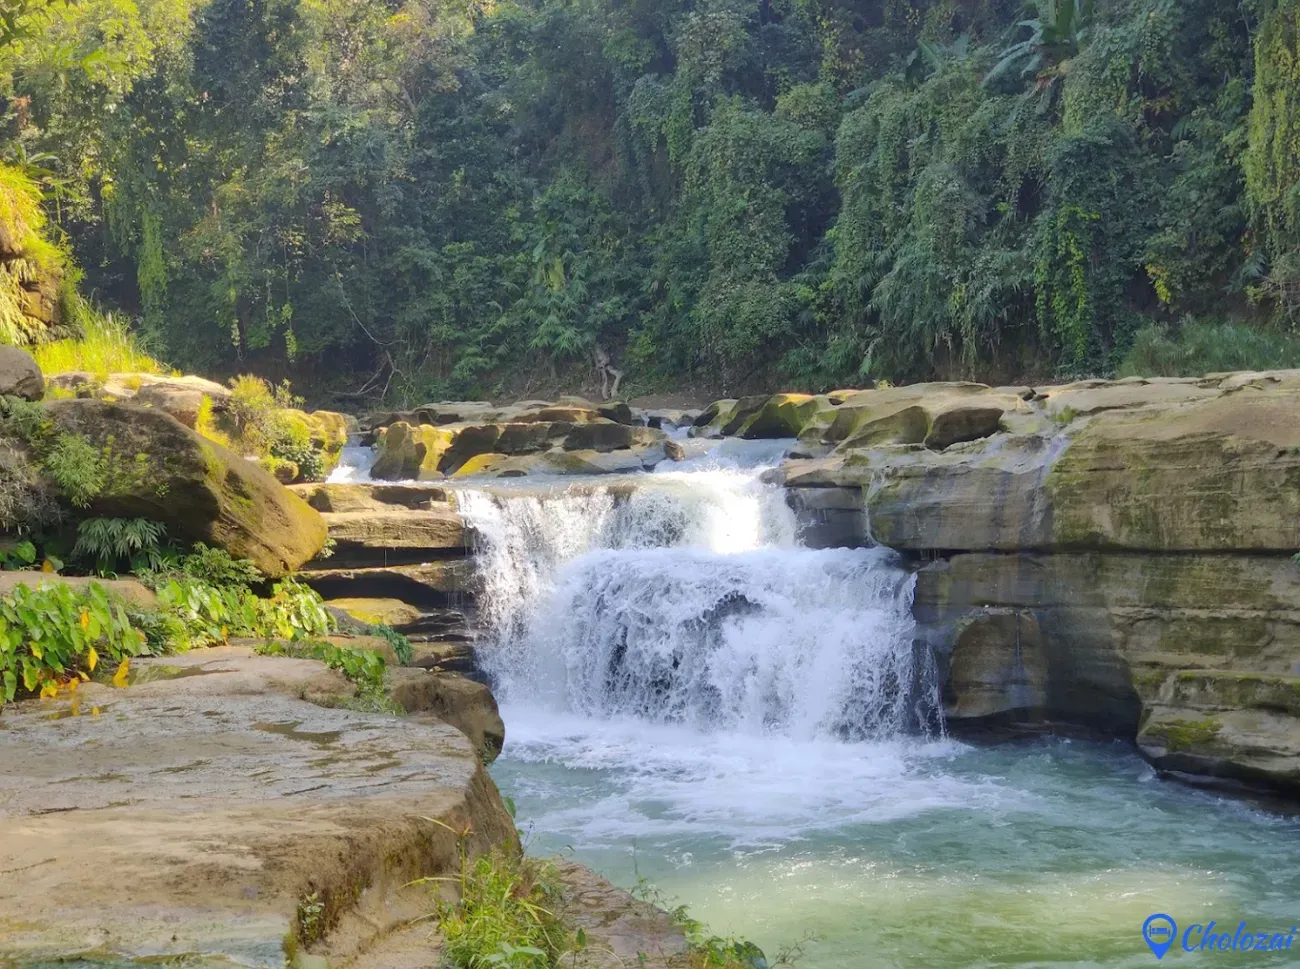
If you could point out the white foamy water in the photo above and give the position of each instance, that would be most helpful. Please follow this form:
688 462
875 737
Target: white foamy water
685 599
354 465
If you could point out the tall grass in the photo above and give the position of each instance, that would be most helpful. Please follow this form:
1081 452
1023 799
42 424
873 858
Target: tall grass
106 344
1200 348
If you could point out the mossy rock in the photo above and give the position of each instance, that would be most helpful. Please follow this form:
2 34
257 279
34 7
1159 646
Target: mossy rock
408 452
157 468
784 415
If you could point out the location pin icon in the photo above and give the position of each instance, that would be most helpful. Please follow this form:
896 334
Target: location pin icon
1160 931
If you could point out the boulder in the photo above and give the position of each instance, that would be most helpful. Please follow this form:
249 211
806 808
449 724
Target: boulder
19 375
181 397
1237 726
157 468
410 452
206 807
783 415
464 703
608 436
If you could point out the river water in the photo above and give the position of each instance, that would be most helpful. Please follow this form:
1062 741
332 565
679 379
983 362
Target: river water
694 700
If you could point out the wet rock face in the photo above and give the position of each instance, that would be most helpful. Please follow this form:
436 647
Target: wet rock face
1114 555
195 812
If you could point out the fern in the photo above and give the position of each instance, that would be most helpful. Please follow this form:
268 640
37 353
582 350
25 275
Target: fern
112 541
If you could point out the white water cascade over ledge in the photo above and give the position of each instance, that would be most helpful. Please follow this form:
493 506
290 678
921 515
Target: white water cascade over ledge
685 598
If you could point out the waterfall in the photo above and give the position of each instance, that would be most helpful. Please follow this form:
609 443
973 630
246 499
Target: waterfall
685 598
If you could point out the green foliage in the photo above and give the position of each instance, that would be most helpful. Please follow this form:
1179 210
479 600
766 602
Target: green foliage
506 916
401 645
1200 348
52 636
111 543
207 614
77 467
472 199
215 566
1272 156
363 667
22 555
104 344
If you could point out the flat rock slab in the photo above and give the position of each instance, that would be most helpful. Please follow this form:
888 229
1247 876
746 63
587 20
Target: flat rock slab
194 811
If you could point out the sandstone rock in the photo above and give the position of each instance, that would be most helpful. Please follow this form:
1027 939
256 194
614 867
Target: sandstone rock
784 415
1219 474
388 612
427 585
622 930
432 530
465 704
373 497
1239 726
129 589
122 821
180 397
19 375
998 666
444 656
1089 397
608 436
1114 632
410 453
157 468
616 411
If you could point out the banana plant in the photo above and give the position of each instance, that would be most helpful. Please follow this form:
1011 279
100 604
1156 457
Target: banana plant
1056 33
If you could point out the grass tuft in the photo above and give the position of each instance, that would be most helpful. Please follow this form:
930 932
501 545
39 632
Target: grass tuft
507 914
106 345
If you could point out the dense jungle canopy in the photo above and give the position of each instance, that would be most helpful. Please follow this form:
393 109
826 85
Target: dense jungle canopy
459 197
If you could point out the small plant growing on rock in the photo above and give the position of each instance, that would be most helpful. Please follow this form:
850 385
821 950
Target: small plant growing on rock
506 915
109 543
401 645
77 467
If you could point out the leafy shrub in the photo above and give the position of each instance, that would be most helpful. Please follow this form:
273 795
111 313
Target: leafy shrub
506 916
54 635
205 424
106 344
111 542
213 613
77 467
268 426
21 556
1201 348
217 567
364 667
25 420
401 645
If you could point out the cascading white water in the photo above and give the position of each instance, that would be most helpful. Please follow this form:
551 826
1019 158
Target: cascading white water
686 599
